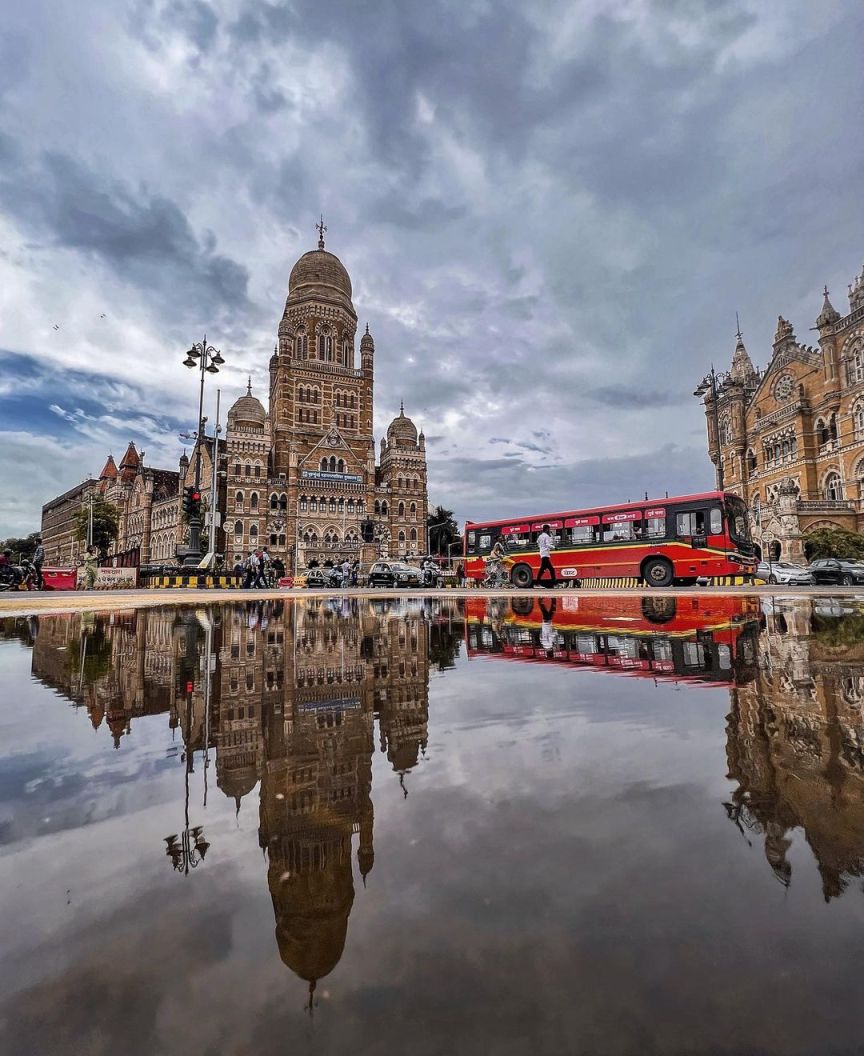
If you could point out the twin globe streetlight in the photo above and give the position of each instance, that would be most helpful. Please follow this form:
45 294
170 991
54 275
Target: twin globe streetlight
208 360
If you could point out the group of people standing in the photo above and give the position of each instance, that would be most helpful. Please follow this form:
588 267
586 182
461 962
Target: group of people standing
259 569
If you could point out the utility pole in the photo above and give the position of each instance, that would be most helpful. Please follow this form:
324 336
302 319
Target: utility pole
211 547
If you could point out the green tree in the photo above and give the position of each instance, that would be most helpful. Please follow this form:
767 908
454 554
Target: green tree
834 542
106 521
22 547
442 530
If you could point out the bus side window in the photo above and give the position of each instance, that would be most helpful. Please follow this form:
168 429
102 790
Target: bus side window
485 544
472 542
655 527
690 522
716 520
517 542
583 536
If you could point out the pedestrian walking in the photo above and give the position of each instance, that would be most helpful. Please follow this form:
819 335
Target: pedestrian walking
546 544
251 570
38 562
355 572
90 570
460 573
547 632
346 573
260 579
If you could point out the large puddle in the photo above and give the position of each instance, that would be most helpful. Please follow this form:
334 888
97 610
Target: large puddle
575 825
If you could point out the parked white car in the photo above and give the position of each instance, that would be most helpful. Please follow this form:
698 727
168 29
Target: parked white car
783 572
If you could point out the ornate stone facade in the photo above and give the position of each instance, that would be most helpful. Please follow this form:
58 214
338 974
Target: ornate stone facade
300 477
790 439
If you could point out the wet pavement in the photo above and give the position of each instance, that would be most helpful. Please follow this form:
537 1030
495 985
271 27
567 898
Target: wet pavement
599 824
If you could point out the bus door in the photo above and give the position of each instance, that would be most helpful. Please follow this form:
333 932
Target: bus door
695 525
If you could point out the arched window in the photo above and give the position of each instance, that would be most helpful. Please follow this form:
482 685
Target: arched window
237 469
238 529
323 465
253 534
361 506
301 343
332 505
332 463
725 430
856 366
858 419
832 488
238 500
399 483
413 535
350 507
413 511
341 465
281 540
283 503
401 510
401 538
303 502
377 507
274 502
384 507
247 469
256 470
313 505
253 501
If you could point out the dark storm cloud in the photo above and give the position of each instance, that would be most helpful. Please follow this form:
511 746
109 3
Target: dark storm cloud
550 212
142 237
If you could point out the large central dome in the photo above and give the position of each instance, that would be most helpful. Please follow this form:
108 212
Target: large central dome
321 275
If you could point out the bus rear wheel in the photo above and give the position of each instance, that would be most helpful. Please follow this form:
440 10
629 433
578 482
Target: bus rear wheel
521 577
657 572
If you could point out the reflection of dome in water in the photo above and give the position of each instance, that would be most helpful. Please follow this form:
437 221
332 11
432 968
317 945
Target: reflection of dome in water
236 782
312 912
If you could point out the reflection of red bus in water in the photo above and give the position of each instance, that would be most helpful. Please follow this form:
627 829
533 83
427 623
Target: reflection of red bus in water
703 638
659 541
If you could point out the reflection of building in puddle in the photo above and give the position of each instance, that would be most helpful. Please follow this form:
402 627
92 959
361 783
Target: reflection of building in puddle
286 695
795 740
700 638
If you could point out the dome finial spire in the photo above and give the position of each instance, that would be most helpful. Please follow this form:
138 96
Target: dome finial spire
401 408
737 327
249 385
321 228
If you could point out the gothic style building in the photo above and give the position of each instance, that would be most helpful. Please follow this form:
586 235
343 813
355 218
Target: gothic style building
300 475
790 439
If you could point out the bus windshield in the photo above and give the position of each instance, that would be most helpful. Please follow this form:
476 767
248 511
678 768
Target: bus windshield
739 528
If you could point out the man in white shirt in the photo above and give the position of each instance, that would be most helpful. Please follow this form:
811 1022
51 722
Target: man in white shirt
546 544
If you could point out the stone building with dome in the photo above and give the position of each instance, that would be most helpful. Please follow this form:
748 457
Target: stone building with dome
789 439
302 476
299 463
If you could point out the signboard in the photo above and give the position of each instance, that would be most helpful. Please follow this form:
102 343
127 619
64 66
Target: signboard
552 524
623 517
661 512
581 522
341 478
516 529
335 704
116 578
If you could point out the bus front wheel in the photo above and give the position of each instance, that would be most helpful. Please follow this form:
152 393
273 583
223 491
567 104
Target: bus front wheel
657 572
521 577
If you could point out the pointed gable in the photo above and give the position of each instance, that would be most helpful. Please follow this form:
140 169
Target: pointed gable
109 471
130 463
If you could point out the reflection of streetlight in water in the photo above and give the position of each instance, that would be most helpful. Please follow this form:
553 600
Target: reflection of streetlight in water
188 849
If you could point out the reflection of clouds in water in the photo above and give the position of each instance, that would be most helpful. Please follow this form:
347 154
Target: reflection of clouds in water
558 817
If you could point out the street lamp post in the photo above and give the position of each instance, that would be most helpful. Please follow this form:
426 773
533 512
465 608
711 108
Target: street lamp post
208 360
709 384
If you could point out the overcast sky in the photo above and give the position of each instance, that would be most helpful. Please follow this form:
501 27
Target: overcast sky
550 213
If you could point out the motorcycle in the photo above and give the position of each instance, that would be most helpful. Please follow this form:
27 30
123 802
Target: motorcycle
18 577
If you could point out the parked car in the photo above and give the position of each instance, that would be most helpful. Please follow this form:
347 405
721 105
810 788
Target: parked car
836 570
394 574
324 577
783 572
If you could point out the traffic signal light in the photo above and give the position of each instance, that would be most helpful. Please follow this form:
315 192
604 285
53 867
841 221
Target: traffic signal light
192 501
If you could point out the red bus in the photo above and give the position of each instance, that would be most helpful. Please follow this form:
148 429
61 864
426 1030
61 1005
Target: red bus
658 541
704 638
